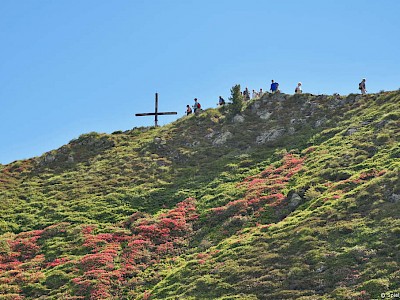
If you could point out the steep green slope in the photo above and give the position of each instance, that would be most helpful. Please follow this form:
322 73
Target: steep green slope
296 197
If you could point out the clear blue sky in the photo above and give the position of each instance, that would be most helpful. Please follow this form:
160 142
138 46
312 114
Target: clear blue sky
70 67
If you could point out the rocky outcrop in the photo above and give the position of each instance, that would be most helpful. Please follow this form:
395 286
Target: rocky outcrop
222 138
270 135
85 146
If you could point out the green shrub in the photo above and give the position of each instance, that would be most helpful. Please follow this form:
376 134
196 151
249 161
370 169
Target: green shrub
56 279
237 99
382 138
376 287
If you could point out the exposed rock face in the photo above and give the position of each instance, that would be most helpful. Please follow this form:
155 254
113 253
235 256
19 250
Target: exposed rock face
264 115
295 200
49 158
222 138
351 131
320 122
270 135
238 119
210 135
395 198
157 140
77 150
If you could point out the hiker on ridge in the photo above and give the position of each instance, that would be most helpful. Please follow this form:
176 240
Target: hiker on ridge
188 110
246 94
298 88
361 86
196 106
274 87
254 95
221 101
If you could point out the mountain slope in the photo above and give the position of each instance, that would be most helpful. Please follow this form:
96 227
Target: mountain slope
296 197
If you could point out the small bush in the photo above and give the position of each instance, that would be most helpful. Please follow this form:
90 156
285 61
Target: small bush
382 139
376 287
56 279
312 193
237 99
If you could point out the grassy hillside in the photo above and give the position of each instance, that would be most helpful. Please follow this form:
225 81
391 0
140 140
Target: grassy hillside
296 197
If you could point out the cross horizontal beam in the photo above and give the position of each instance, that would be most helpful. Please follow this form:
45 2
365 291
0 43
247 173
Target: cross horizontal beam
159 113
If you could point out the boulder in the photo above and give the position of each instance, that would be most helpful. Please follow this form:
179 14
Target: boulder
238 119
222 138
295 200
270 135
264 114
395 198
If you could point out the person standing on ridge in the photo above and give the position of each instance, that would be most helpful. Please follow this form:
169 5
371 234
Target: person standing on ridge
221 101
196 106
246 94
361 86
188 110
274 87
298 88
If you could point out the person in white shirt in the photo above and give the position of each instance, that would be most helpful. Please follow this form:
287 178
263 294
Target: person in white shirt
298 89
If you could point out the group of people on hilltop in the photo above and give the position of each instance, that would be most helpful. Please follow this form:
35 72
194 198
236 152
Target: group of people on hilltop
274 88
196 107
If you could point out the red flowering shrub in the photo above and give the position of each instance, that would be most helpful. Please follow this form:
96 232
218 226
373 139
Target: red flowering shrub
118 256
261 190
111 259
57 262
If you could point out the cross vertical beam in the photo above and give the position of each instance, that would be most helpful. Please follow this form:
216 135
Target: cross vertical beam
156 113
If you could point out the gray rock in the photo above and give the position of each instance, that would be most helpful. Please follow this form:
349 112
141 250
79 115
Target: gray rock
222 138
270 135
381 124
295 200
365 123
320 122
49 158
210 135
395 198
320 269
255 107
279 97
351 131
238 119
265 115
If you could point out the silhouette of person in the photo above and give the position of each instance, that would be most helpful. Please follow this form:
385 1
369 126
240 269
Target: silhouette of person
361 86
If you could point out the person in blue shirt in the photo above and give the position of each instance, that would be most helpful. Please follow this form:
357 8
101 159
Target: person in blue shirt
274 87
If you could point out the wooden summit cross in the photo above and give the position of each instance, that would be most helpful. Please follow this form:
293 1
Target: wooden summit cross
156 113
